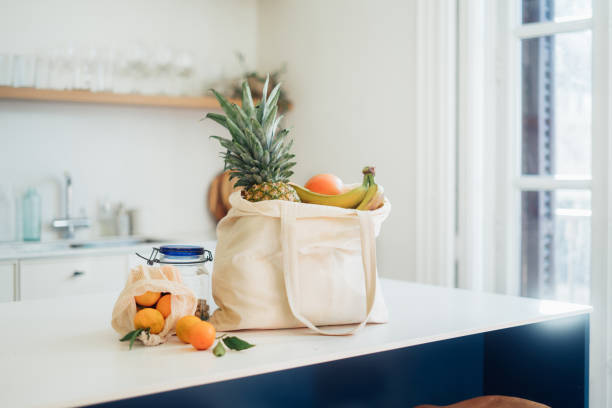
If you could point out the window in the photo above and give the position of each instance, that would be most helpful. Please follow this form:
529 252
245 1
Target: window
535 158
552 175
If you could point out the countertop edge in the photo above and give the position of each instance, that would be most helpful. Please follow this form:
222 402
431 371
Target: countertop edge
287 365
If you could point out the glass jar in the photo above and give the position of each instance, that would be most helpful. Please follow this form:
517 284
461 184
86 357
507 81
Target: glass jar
190 261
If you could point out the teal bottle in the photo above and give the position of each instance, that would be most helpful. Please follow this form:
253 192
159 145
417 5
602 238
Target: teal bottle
31 215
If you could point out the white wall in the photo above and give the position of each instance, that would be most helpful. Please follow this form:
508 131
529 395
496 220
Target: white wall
155 159
351 75
213 30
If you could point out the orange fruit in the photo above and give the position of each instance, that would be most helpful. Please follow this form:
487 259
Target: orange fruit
202 335
164 305
149 318
184 326
325 184
147 298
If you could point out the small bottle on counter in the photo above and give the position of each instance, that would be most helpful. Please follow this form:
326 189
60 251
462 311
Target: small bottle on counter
7 214
123 221
31 213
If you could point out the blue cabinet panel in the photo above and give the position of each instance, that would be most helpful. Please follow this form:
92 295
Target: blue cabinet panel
545 362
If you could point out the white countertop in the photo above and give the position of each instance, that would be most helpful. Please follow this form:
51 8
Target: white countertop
63 352
10 251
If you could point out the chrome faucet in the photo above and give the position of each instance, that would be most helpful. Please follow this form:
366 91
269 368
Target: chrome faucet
67 225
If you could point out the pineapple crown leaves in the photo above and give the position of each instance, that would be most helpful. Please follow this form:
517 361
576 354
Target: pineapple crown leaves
257 150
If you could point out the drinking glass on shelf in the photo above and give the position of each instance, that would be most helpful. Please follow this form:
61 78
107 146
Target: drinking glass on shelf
43 71
139 69
85 68
162 71
185 73
103 77
6 69
54 69
24 70
121 74
61 68
69 67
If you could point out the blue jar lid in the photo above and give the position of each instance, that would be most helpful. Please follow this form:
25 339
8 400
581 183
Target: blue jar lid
181 250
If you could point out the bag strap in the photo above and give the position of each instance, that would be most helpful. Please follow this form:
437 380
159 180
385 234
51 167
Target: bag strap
290 268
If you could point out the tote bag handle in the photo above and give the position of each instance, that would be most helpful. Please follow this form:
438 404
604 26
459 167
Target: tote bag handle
290 268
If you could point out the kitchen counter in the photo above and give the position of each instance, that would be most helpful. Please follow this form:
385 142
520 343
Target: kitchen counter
101 246
63 352
37 270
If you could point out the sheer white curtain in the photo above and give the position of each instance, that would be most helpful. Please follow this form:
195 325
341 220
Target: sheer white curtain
435 141
601 254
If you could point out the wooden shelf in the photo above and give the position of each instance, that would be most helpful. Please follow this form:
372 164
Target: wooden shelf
34 94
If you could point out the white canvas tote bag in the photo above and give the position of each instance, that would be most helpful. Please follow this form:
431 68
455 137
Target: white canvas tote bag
280 264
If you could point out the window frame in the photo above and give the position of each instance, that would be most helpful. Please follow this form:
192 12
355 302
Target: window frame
487 244
520 183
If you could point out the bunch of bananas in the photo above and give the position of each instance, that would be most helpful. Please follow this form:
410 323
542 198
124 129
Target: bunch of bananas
367 196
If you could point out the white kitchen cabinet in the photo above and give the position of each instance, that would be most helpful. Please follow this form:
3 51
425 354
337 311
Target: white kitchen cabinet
55 277
7 281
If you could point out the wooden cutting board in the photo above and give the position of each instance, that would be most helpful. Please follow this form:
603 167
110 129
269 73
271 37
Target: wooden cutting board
218 195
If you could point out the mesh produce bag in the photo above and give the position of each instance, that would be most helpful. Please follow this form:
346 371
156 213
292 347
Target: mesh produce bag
155 279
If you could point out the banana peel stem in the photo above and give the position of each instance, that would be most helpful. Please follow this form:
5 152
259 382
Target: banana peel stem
369 170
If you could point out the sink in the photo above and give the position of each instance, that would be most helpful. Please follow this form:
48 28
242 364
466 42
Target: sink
115 242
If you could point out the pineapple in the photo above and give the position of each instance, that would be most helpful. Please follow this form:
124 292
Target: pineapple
258 154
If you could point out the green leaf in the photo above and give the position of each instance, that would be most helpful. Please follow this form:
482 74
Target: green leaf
272 129
254 144
220 119
261 109
282 134
258 130
241 118
227 107
287 166
234 343
269 121
232 164
248 160
245 120
132 340
219 350
286 174
286 147
271 102
278 140
243 183
130 335
133 335
237 134
247 99
232 147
